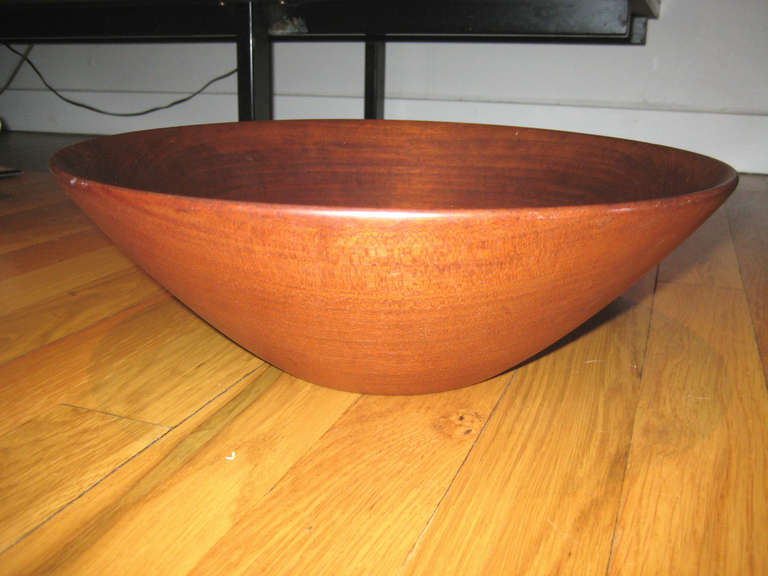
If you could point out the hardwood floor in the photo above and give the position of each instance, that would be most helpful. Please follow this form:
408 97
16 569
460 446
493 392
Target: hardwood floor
135 439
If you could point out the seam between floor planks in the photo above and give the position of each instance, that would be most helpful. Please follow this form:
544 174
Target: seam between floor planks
88 489
141 304
107 413
737 291
750 309
456 474
634 419
611 523
317 440
665 411
226 411
167 430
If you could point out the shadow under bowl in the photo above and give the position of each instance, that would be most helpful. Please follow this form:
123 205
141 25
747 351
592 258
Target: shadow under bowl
391 257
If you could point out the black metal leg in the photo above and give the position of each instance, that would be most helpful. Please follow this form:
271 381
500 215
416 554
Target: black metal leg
254 66
375 59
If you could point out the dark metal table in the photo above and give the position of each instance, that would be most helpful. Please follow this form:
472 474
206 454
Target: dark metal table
255 24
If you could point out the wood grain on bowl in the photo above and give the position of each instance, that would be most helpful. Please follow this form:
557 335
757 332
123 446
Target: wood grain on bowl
391 257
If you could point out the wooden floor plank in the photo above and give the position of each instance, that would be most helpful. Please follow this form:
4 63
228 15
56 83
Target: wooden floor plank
53 458
32 384
34 326
695 498
701 427
164 509
159 366
156 362
24 290
707 257
359 500
540 491
41 224
27 192
748 215
51 252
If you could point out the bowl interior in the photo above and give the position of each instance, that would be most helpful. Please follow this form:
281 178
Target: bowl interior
393 165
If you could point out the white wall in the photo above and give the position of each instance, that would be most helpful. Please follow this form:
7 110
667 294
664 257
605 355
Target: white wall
701 83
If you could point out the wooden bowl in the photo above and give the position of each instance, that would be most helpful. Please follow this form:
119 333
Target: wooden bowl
391 257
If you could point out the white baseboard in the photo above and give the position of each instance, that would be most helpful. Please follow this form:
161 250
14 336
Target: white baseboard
739 139
41 111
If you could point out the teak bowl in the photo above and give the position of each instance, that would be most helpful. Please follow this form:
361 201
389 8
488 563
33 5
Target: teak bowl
391 257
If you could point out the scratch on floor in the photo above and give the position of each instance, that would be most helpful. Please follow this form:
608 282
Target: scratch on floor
563 532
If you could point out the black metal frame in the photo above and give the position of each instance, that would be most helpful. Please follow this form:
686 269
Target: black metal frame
375 63
254 68
254 26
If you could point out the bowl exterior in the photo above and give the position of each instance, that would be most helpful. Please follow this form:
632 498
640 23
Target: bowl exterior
391 302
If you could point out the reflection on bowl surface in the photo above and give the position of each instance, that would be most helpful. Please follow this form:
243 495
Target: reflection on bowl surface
391 256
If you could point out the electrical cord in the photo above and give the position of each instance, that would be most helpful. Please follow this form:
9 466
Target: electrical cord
16 69
26 59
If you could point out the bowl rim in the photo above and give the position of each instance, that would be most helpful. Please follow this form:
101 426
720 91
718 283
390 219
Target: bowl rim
724 185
